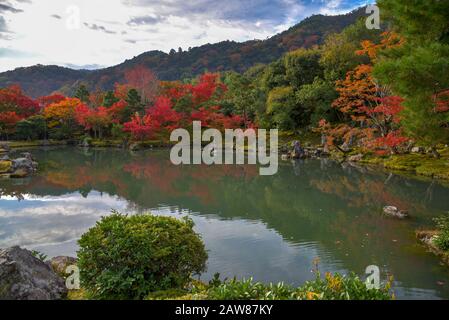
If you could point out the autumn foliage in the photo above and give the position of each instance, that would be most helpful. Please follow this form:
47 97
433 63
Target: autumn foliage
12 99
142 108
370 114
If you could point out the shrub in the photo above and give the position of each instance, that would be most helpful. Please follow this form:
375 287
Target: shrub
442 239
338 287
127 257
332 287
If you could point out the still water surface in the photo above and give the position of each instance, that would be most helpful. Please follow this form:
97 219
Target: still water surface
269 228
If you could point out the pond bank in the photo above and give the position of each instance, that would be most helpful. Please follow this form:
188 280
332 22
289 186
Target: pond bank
426 238
420 164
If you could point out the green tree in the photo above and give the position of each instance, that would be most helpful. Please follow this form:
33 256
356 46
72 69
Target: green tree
274 76
419 21
339 50
418 70
134 101
316 98
302 66
241 95
283 109
109 99
32 128
82 93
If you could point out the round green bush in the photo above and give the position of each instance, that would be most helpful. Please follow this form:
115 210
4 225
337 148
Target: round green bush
127 257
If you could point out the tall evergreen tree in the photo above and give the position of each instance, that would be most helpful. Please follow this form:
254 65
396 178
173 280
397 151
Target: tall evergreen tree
418 70
109 99
82 93
134 101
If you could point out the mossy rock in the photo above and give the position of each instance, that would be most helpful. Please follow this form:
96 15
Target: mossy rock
5 166
437 169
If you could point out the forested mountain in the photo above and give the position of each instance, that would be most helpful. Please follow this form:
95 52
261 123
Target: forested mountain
228 55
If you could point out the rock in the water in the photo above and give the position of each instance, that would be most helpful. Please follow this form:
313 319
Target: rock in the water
18 168
135 146
395 212
27 155
60 264
4 148
355 158
23 167
418 150
24 277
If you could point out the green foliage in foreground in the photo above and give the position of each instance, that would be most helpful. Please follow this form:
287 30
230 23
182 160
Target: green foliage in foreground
442 240
155 257
127 257
331 287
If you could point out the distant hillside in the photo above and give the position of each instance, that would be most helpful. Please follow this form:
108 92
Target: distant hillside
228 55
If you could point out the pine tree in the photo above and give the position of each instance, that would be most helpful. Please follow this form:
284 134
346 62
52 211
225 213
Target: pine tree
417 70
82 93
134 103
109 99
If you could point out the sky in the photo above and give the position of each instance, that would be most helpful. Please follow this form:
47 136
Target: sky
93 34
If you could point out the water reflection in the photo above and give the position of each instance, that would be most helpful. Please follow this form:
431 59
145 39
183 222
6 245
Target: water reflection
267 227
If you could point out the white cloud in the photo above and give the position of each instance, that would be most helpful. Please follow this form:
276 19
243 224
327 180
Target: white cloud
111 31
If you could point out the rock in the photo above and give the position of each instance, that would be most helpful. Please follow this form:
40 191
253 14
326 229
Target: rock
60 264
355 158
135 146
18 168
418 150
395 212
27 155
23 167
5 166
4 148
24 277
5 158
285 157
86 143
345 147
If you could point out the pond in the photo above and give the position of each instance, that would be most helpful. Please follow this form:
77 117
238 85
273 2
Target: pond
271 228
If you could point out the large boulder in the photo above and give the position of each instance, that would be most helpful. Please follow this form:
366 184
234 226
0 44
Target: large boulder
24 166
25 277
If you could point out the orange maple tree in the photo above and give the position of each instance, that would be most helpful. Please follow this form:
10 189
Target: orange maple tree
371 115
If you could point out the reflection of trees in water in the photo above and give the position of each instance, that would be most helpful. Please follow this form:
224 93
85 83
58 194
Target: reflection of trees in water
326 195
338 205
